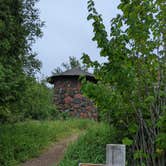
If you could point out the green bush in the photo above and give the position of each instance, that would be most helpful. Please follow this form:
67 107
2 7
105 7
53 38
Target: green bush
37 101
22 141
90 147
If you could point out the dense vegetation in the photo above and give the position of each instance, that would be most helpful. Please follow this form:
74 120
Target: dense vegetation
21 96
130 93
24 140
131 88
90 147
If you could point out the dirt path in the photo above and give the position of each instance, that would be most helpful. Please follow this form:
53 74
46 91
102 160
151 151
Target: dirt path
53 155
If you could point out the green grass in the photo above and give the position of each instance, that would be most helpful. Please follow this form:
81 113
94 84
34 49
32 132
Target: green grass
90 147
25 140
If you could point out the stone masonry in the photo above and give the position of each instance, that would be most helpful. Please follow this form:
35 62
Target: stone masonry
68 98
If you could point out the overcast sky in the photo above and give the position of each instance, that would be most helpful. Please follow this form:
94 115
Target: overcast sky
67 31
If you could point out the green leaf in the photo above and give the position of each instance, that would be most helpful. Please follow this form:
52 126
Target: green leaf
127 141
149 99
133 127
139 154
90 16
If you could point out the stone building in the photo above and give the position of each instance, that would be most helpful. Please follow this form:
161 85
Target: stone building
68 97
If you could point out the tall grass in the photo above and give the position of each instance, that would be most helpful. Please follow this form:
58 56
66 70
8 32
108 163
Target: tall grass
22 141
90 147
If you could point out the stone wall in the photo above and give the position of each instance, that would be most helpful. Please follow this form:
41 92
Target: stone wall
68 98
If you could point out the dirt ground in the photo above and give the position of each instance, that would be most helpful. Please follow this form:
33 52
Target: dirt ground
53 155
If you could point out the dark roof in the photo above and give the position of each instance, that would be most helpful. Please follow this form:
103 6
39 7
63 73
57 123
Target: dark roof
75 72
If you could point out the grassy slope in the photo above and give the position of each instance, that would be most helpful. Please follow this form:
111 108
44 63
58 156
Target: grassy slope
90 147
22 141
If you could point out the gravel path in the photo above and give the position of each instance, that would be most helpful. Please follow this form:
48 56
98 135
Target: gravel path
53 155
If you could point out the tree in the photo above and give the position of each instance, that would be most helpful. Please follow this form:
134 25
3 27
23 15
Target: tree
73 62
37 101
19 26
131 89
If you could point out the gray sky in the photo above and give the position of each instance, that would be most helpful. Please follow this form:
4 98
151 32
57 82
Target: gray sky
67 31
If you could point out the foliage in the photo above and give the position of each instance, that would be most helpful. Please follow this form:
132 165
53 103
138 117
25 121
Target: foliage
19 27
130 92
73 63
90 147
37 101
24 140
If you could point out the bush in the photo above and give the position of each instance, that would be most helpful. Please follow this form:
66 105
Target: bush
90 147
36 102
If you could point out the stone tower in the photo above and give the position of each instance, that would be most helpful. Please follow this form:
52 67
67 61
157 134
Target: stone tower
67 94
